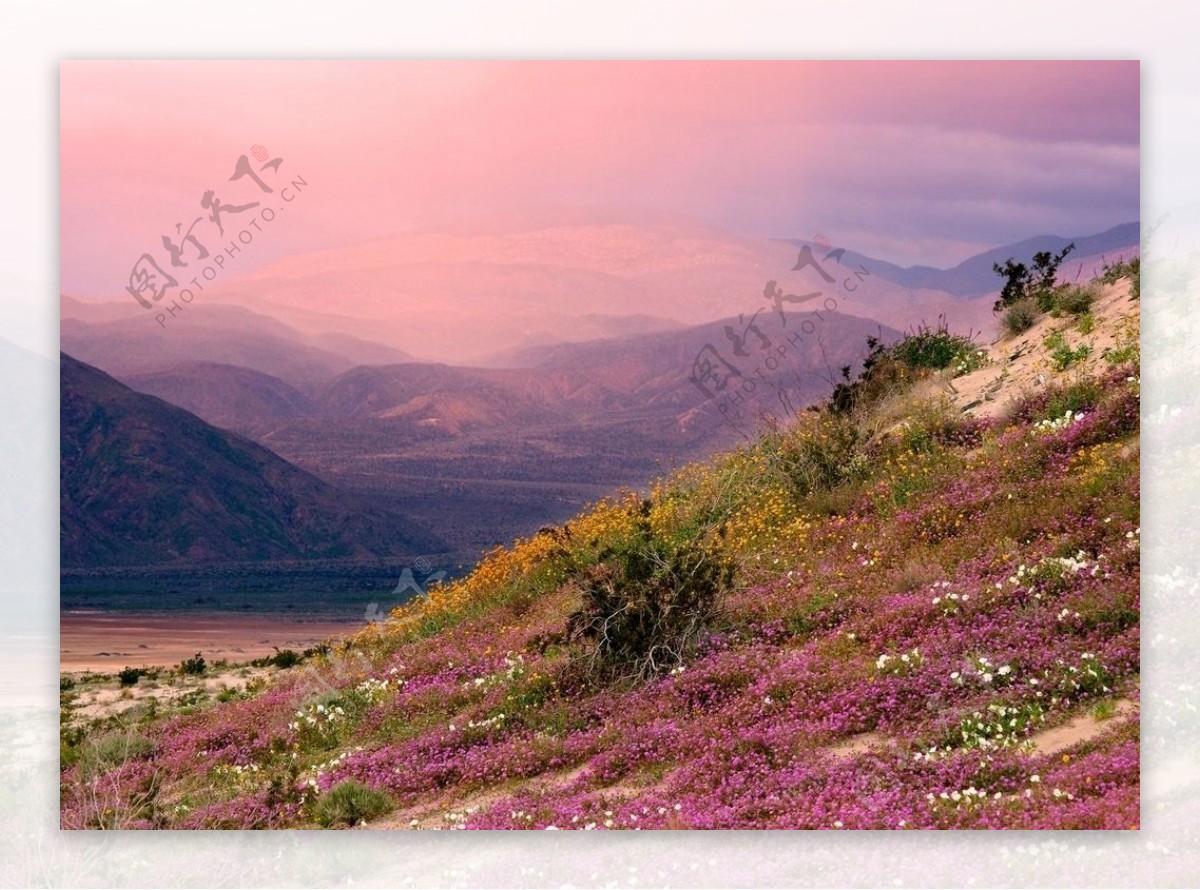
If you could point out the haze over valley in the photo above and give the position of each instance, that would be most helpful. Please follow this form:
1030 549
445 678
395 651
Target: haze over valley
494 401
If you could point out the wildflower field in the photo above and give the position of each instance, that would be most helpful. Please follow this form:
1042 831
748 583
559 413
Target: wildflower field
889 614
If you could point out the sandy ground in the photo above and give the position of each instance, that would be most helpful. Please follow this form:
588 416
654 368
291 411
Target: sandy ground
1079 729
1049 741
95 645
100 696
1018 364
106 642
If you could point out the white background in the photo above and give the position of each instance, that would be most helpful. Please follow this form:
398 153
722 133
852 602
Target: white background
37 37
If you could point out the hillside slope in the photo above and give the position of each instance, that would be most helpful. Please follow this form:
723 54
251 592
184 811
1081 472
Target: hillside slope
889 614
227 396
146 483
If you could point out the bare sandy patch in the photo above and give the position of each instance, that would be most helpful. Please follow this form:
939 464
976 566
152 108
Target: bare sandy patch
441 814
102 697
1019 365
1078 729
857 744
105 642
447 812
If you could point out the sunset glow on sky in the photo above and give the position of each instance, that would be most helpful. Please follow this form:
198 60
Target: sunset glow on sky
921 162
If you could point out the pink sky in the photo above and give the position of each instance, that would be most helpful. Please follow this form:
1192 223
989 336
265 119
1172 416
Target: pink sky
909 161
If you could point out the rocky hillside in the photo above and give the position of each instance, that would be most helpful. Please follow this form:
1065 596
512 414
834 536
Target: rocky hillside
915 608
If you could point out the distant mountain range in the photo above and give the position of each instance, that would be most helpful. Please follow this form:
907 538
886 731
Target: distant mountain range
475 298
975 277
460 297
601 381
123 339
146 483
567 357
477 453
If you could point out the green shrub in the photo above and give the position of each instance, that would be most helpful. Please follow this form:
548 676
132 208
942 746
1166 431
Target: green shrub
1061 352
887 369
1131 269
1124 354
349 803
645 605
1020 317
881 376
102 753
1074 299
1045 298
283 658
933 348
1022 282
194 665
129 676
286 658
820 458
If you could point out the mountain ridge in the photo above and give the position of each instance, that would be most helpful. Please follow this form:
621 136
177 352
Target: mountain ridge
144 482
974 276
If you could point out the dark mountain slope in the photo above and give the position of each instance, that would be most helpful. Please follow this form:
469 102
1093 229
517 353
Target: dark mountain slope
143 482
227 396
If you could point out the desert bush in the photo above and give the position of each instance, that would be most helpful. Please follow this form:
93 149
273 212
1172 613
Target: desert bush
936 348
1020 317
1127 348
1062 354
819 457
129 676
1023 282
1128 353
283 658
350 803
101 753
887 369
881 377
1130 269
194 665
1072 299
645 605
